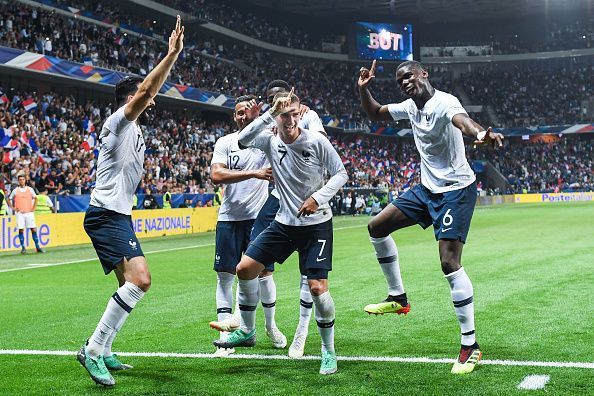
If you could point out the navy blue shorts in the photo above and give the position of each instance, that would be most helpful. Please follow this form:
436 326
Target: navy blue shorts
232 239
265 216
314 244
112 235
449 212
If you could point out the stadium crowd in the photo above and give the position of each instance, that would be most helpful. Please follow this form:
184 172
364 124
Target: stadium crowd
328 88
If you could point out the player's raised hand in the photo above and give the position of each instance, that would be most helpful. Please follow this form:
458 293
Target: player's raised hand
493 138
264 174
308 207
176 39
282 104
366 75
253 109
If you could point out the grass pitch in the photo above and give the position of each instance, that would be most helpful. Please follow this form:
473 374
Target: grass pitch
531 267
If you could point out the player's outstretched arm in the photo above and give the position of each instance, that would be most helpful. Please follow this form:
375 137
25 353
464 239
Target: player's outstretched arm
220 174
374 110
473 130
154 81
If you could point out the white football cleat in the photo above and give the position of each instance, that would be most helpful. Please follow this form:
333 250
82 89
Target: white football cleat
279 341
230 324
297 348
223 352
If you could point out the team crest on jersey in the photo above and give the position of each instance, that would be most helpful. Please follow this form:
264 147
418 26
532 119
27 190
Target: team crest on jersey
133 244
306 155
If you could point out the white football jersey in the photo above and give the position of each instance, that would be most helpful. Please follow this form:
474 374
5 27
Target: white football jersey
298 170
310 121
443 160
120 163
242 200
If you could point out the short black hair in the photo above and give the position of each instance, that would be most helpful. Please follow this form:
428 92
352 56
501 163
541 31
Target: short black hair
413 64
126 86
279 84
244 98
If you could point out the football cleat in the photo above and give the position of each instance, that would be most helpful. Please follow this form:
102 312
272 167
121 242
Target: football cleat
236 339
40 250
223 352
113 363
279 341
297 348
467 359
95 367
387 306
230 324
329 365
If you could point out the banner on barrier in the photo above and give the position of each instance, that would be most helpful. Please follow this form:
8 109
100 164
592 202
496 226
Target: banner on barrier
554 197
64 229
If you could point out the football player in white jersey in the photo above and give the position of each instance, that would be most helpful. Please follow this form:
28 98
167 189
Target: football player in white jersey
303 223
445 198
309 121
246 173
108 221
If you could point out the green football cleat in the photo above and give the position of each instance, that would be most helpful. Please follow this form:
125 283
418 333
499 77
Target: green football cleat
329 365
95 367
113 363
387 306
467 360
237 339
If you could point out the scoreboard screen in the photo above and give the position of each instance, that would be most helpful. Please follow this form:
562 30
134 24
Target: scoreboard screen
388 41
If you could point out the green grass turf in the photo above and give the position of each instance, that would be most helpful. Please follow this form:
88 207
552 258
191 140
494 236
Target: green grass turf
531 267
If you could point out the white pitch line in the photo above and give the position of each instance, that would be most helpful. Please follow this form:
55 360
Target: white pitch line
534 382
394 359
33 266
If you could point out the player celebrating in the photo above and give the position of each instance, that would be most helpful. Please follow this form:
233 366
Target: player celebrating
309 121
108 222
246 173
303 223
445 198
23 201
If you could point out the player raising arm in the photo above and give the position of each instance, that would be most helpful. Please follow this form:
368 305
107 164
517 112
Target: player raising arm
108 221
303 223
445 198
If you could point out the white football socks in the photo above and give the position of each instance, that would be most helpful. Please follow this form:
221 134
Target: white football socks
387 256
268 298
118 308
224 295
305 306
325 314
461 289
248 301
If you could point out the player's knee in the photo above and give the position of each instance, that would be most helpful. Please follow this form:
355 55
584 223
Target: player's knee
449 266
375 230
142 279
317 287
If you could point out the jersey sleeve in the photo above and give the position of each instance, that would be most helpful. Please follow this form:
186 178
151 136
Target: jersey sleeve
33 194
398 111
219 155
258 133
12 193
116 122
312 122
333 164
453 107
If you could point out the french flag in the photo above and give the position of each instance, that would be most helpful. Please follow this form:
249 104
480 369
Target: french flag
90 143
44 158
10 151
88 125
29 104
